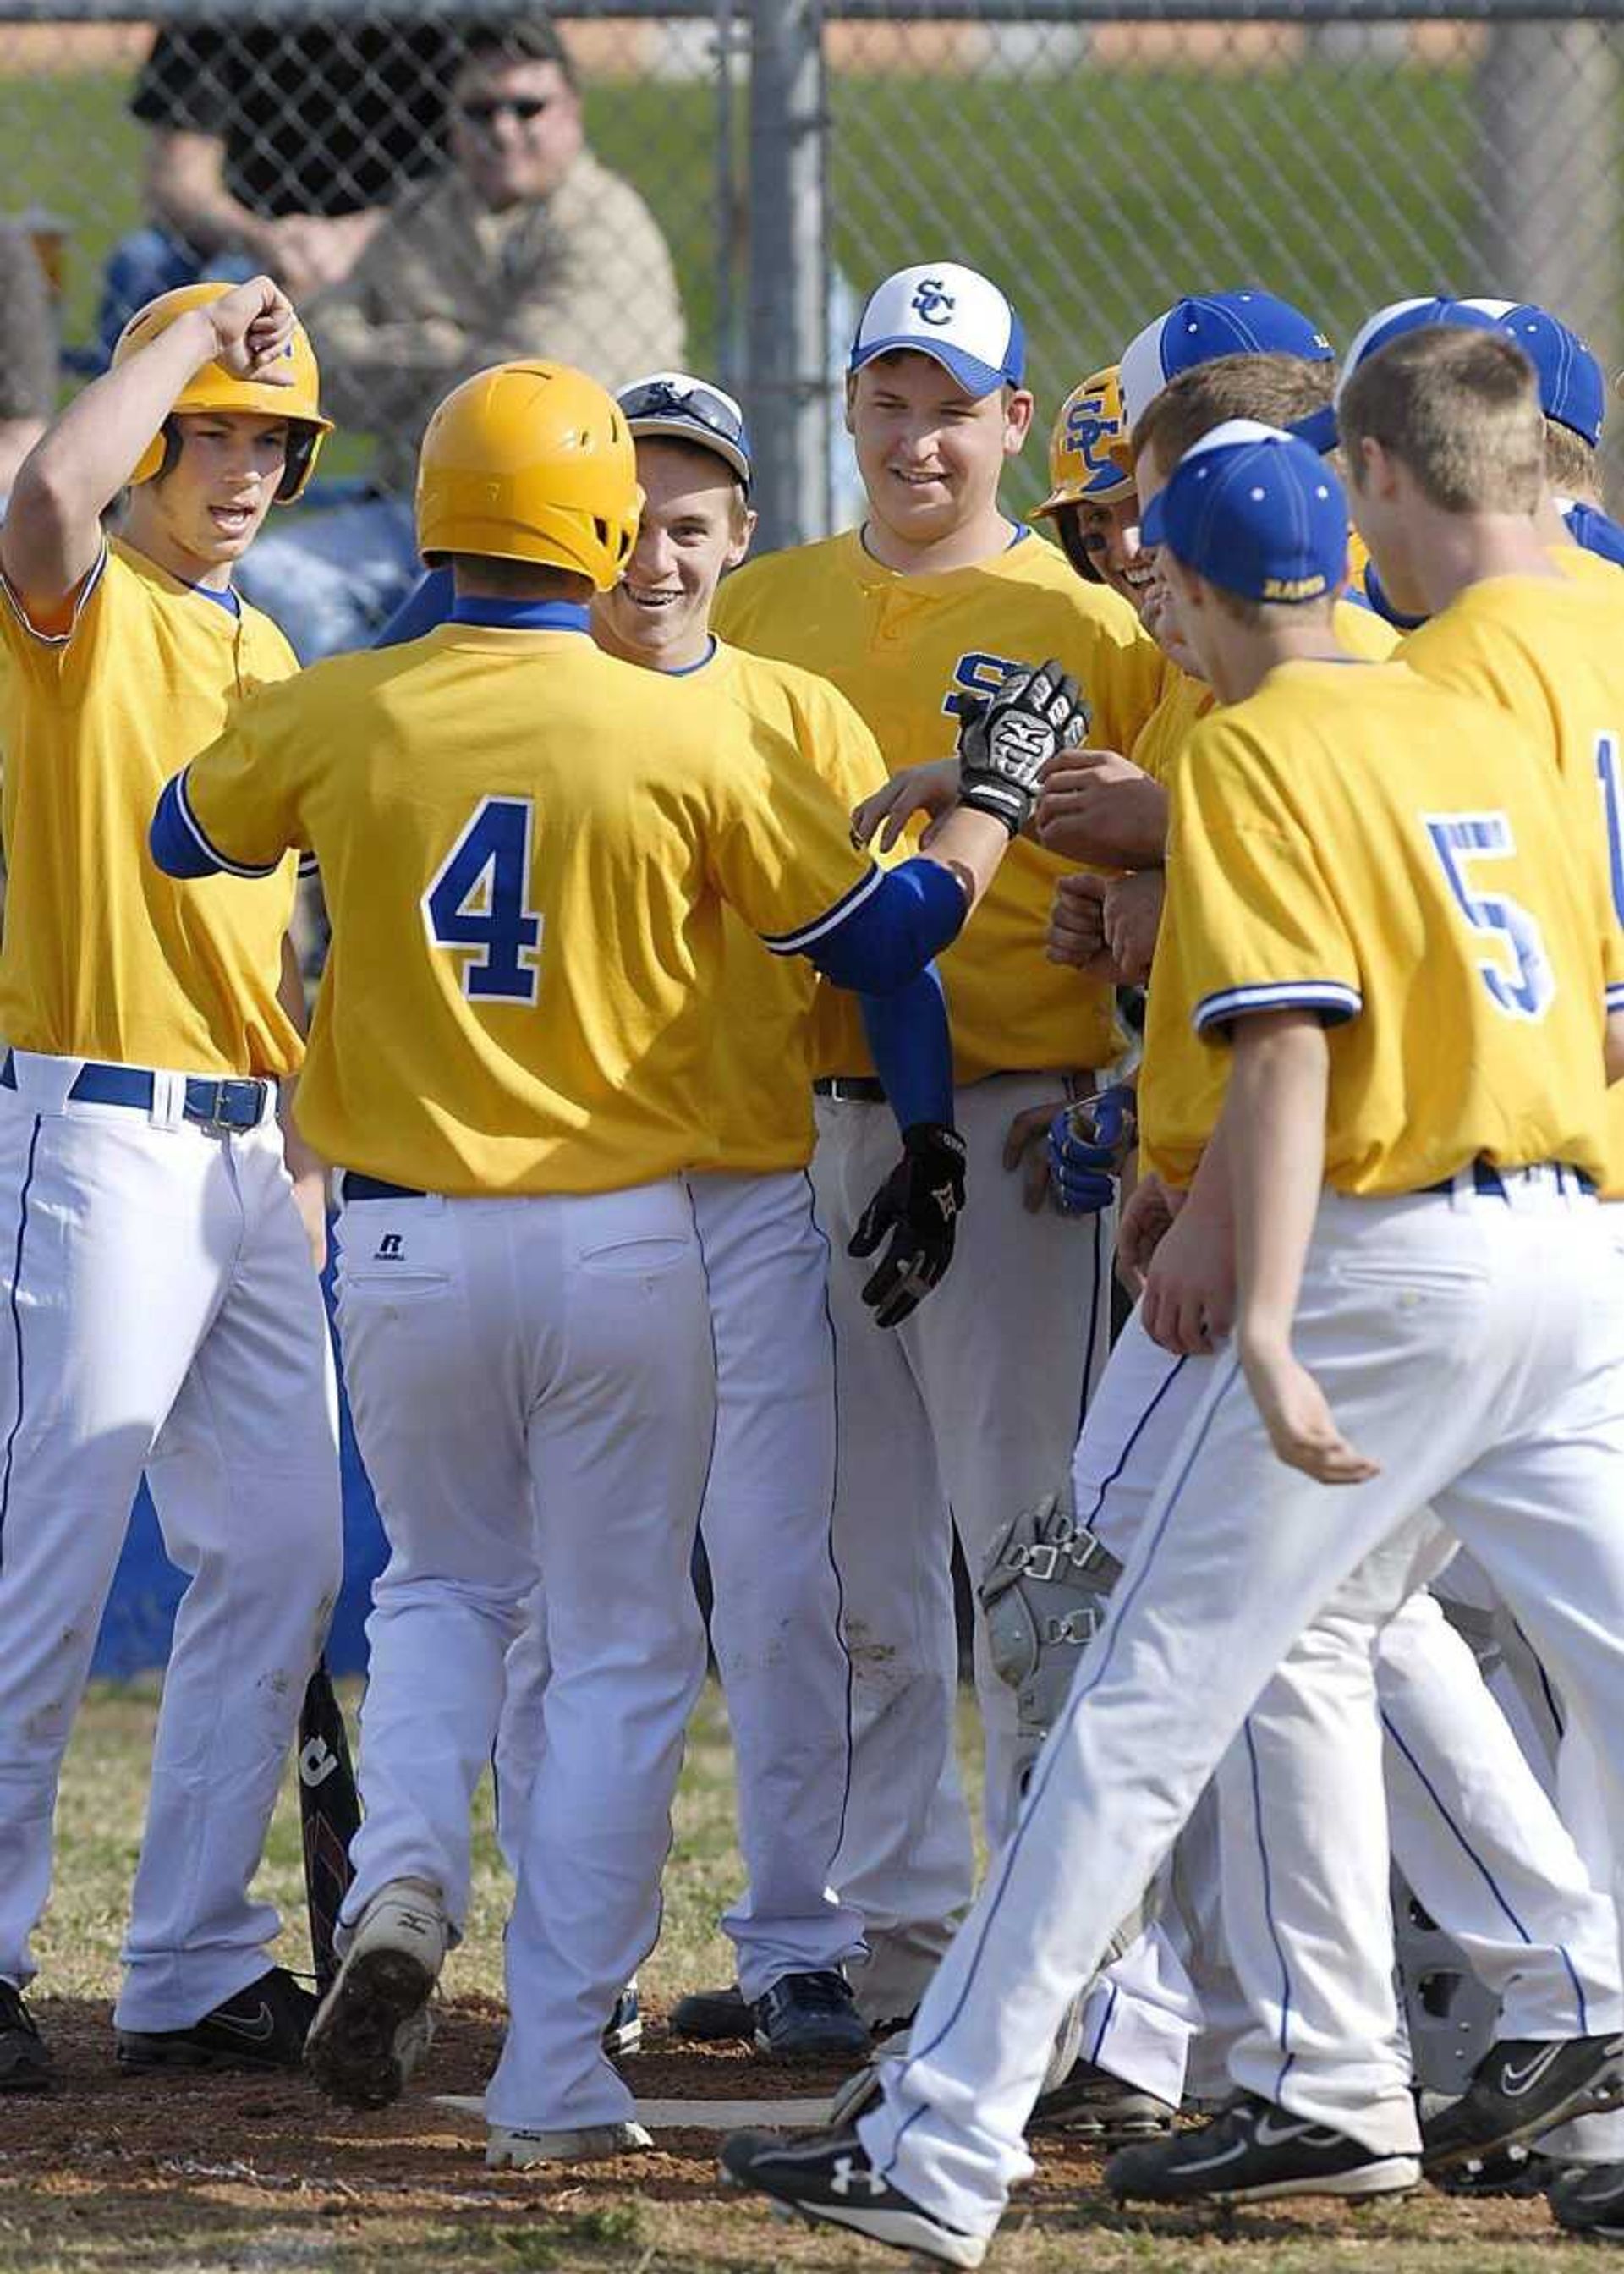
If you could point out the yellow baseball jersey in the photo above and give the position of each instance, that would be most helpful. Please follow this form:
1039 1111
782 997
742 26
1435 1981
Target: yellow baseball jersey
104 956
907 651
525 847
763 1055
1588 568
1355 841
1173 1056
1186 699
1550 650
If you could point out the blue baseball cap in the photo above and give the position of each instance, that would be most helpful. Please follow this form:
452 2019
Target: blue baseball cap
1572 390
1319 429
952 313
1255 511
1200 329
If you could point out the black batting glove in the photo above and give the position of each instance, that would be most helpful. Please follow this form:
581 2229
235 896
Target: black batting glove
919 1205
1005 743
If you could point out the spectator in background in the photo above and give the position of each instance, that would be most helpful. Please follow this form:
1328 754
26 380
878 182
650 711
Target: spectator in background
527 245
275 145
27 353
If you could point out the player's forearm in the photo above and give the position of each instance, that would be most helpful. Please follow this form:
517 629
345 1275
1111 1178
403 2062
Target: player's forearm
53 526
971 847
1273 1128
912 1045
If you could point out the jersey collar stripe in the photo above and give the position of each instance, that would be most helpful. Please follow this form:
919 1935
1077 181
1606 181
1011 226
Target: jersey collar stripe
56 639
1615 995
797 942
1330 995
182 806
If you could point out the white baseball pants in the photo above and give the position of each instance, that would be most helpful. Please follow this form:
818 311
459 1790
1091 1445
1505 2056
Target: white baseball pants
1471 1827
533 1389
1475 1348
961 1416
775 1618
161 1313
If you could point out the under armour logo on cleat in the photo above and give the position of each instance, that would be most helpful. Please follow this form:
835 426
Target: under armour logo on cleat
850 2178
391 1248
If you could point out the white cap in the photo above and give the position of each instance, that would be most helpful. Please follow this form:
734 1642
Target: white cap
951 313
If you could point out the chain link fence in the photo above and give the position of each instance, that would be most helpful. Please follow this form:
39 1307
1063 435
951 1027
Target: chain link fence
1097 159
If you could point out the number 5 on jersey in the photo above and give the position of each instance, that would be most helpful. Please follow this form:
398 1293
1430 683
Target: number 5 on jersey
1458 839
477 906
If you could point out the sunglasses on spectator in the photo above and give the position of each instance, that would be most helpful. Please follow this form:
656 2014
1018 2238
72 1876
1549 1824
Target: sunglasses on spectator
522 107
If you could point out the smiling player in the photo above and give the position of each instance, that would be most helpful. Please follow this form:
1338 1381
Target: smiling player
161 1314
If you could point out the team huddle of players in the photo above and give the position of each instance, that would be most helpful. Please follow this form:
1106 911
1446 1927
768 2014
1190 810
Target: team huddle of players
665 910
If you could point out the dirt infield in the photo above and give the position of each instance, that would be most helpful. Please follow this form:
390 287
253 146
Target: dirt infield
180 2174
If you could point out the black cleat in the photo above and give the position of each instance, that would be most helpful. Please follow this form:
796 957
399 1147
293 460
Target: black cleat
810 2017
1511 2174
1522 2087
827 2176
1090 2103
714 2017
1251 2152
25 2060
1589 2199
263 2026
624 2032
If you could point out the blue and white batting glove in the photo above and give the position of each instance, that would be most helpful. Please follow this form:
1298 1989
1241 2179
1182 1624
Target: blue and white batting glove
1087 1145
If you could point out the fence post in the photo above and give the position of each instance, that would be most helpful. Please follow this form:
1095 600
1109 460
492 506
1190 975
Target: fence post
787 387
1548 170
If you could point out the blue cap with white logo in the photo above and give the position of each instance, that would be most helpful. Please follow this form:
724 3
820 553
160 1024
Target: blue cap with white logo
1572 390
952 313
1253 510
1203 327
1319 429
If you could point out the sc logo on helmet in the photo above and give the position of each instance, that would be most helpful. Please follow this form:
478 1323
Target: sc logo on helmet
1089 431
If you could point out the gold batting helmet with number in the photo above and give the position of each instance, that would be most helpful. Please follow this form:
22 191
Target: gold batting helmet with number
212 387
530 461
1081 470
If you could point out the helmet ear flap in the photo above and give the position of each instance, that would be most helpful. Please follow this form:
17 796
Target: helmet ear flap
304 445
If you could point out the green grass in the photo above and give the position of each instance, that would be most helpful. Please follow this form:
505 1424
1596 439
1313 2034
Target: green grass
1095 195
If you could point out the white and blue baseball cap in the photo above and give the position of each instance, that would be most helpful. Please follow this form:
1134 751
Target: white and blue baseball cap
1206 326
1319 429
1572 390
1255 511
672 406
952 314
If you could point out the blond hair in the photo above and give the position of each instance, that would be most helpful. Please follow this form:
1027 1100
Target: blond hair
1460 410
1276 389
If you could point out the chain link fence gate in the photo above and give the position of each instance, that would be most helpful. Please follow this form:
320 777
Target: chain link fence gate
1098 158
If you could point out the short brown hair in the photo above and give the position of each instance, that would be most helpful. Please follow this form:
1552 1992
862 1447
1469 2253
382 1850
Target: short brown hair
1274 388
1570 465
504 39
1459 410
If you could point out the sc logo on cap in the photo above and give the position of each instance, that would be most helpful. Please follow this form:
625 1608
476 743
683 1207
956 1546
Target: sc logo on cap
1087 431
931 303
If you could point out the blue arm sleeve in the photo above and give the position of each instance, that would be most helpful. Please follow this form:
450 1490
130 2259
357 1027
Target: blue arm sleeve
913 1049
890 935
425 608
177 847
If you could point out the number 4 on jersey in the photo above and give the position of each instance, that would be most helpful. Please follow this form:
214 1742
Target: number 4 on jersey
476 906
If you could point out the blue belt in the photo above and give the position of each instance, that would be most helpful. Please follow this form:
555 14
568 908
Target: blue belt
358 1187
1491 1184
236 1103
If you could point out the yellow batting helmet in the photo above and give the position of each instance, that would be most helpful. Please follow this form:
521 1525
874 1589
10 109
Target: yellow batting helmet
530 461
1080 465
212 387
